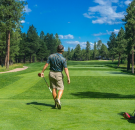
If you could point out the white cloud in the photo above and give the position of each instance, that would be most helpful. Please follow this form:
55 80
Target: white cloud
107 32
69 36
27 9
127 2
116 31
22 21
104 12
82 44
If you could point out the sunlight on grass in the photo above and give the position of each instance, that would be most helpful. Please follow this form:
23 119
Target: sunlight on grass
98 95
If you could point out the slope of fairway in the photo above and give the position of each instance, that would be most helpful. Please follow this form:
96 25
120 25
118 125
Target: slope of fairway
95 99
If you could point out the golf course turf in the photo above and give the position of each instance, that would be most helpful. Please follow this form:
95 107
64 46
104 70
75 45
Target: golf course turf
95 100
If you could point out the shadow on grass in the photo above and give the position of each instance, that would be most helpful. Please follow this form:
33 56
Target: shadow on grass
90 94
118 73
123 69
129 120
41 104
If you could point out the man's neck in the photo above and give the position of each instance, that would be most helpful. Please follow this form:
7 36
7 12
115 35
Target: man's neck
60 52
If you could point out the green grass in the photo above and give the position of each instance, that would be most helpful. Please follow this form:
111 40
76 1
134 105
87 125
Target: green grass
95 99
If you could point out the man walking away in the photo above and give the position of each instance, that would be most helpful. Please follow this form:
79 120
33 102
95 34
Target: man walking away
57 63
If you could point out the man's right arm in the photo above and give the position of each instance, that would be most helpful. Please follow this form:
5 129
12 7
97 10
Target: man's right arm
67 74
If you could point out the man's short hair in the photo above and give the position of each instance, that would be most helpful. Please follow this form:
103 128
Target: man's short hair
60 48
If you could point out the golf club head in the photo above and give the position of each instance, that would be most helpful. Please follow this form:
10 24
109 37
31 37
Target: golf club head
39 74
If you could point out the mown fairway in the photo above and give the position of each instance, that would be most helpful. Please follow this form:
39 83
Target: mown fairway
95 99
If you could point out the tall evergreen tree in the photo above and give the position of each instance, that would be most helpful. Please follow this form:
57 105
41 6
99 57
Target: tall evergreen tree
95 50
2 47
112 44
88 50
99 44
42 52
32 42
11 12
104 51
130 30
51 43
23 48
58 42
42 35
14 49
77 52
121 44
84 54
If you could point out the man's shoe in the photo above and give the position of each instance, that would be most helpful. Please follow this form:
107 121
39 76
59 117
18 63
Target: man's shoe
58 103
55 106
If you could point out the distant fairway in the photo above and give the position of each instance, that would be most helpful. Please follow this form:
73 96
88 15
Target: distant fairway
95 99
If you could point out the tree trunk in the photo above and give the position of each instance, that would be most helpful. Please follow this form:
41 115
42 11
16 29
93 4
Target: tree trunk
119 61
128 63
133 59
8 49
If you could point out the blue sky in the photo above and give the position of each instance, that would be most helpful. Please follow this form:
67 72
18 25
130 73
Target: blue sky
76 21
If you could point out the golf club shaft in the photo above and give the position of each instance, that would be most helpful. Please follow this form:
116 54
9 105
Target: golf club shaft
48 85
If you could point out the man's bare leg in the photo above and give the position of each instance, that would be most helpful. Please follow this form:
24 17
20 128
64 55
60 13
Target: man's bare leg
54 93
60 93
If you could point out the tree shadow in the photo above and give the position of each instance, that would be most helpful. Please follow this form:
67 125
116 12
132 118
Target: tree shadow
41 104
129 120
90 94
122 69
118 73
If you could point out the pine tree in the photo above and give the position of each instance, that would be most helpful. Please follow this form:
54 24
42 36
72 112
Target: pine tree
51 43
95 50
77 52
88 50
32 42
121 44
58 42
104 51
42 52
11 12
23 48
2 47
112 44
14 49
130 30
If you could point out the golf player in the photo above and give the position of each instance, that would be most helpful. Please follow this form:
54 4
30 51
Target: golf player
57 63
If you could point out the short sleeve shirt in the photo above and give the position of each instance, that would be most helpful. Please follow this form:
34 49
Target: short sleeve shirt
57 62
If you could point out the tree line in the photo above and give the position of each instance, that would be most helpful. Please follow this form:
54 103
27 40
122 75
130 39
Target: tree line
32 47
122 45
99 51
28 46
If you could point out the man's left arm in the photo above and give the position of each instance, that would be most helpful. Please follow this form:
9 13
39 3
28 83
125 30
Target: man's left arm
44 68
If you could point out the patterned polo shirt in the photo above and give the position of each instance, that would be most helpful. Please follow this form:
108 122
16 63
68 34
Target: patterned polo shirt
57 62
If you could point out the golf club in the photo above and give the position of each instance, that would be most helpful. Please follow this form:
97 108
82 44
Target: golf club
47 85
39 74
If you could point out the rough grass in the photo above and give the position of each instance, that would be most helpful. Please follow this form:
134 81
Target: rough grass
95 99
11 67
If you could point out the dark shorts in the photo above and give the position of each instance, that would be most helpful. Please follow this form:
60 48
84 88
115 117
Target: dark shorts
56 80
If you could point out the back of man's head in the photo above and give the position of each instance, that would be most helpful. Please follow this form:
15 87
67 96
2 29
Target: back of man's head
60 48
